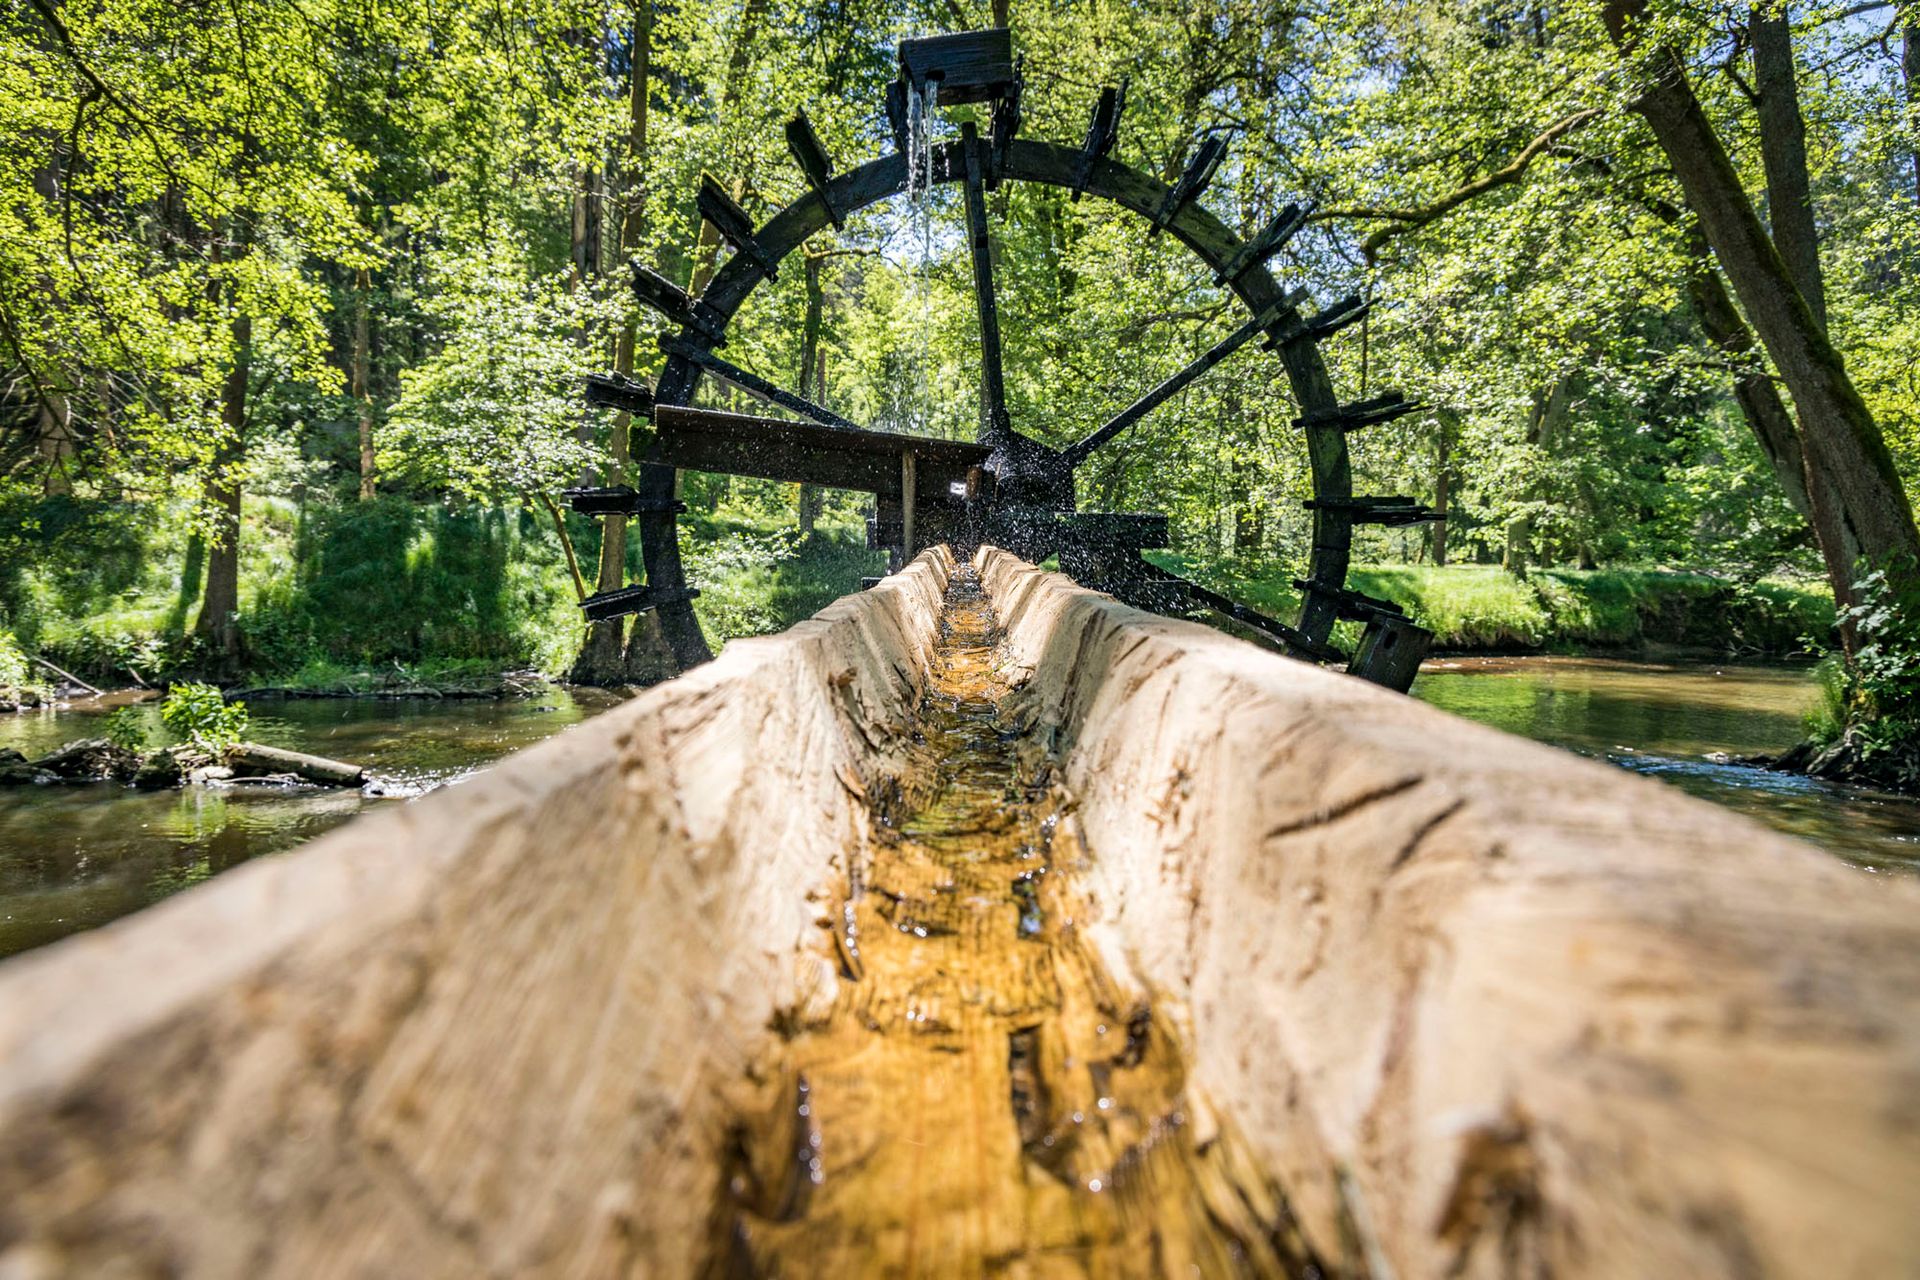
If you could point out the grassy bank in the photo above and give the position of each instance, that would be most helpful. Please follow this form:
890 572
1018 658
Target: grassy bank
383 594
1483 608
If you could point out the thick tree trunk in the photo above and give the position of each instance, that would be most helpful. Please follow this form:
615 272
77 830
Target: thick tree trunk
1783 150
362 394
219 621
1841 441
809 363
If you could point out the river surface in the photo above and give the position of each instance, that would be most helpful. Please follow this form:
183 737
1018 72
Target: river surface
72 857
75 857
1666 721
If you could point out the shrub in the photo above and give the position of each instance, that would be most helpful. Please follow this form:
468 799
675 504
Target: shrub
126 728
198 713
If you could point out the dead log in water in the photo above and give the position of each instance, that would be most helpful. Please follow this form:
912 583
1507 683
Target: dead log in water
251 758
1463 1004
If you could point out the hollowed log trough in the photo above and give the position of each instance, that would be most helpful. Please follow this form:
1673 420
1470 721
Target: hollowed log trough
1474 1006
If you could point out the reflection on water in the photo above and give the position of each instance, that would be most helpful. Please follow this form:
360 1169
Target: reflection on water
1665 721
75 857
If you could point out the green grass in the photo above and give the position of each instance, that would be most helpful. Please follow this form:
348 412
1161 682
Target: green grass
1485 608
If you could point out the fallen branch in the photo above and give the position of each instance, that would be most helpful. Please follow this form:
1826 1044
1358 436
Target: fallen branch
332 773
67 676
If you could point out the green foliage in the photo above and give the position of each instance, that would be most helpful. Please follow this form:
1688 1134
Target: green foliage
1879 687
202 716
16 676
126 728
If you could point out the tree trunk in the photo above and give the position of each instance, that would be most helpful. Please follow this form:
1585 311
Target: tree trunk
1442 489
1910 68
1783 150
54 429
809 363
219 621
362 395
1841 442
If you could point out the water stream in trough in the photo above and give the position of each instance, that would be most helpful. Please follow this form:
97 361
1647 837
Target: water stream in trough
980 1096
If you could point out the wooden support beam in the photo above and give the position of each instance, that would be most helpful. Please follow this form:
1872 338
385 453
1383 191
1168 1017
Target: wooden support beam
907 499
617 391
753 384
622 601
1392 512
1362 413
814 163
660 294
1391 651
1102 131
1272 238
897 123
731 221
1273 315
808 453
997 427
620 499
1193 180
1349 604
1298 641
1006 123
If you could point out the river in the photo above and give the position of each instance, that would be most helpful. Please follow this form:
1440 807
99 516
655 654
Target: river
1666 720
75 857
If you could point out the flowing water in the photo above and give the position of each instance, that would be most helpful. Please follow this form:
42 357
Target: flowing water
979 1097
1668 721
72 857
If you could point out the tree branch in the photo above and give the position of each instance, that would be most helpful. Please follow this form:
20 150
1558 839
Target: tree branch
1404 220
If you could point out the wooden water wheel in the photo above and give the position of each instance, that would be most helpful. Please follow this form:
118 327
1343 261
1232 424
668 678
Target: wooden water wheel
1007 488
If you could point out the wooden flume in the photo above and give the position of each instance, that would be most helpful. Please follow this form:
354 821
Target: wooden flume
1023 496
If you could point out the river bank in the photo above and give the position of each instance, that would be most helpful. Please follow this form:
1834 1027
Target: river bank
1483 609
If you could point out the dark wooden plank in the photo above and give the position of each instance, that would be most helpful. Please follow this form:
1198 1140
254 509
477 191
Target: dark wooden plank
1392 512
1294 638
969 66
731 221
617 391
808 453
619 499
815 164
1194 179
753 383
622 601
1272 238
1348 604
670 300
1363 413
996 425
1102 131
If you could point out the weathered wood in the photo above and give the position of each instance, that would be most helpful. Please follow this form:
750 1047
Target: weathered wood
615 391
969 66
809 453
319 769
1324 324
639 598
1394 512
1363 413
1102 131
1006 123
1461 1004
1390 652
1302 644
814 163
734 226
995 424
619 499
1272 238
753 384
1194 180
908 499
660 294
1347 603
1277 313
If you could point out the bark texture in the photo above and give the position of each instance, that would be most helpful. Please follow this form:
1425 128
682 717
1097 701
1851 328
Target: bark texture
1783 152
